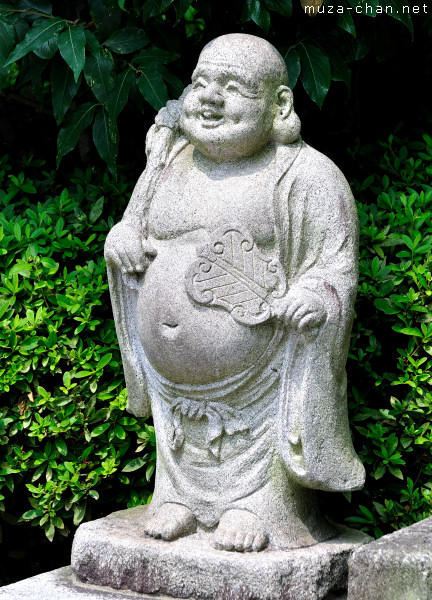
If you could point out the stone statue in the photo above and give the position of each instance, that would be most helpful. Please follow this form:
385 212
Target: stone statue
233 276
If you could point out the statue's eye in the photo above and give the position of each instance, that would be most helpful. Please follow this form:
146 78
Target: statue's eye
233 87
198 84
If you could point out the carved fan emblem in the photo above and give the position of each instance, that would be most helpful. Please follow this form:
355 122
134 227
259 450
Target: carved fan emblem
231 272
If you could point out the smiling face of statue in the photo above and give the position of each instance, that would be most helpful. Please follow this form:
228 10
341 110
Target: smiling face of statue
229 112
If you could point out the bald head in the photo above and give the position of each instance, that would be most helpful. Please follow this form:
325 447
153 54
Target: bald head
239 100
254 57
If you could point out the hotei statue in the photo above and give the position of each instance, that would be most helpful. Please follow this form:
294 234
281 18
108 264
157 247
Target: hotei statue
233 276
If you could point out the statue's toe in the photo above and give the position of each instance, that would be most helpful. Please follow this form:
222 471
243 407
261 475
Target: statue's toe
248 542
170 522
260 542
241 531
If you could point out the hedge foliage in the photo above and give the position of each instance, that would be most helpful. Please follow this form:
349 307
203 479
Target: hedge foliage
65 438
390 364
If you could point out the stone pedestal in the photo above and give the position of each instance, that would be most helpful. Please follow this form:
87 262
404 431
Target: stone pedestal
396 567
115 552
62 584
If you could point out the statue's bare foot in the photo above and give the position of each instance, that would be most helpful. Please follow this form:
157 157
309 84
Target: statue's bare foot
170 522
240 531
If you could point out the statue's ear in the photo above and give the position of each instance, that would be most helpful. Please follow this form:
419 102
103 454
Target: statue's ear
286 124
284 100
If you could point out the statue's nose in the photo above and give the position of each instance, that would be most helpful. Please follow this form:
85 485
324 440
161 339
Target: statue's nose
212 93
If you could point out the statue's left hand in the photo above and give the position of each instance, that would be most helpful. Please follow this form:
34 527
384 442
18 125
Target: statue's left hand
301 308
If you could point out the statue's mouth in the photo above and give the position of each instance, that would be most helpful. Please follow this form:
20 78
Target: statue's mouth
210 118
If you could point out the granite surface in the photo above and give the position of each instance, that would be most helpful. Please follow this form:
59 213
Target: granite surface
115 552
62 584
398 566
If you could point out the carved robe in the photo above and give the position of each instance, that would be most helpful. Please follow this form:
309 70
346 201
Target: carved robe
295 398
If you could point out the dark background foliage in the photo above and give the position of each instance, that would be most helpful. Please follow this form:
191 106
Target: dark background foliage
80 85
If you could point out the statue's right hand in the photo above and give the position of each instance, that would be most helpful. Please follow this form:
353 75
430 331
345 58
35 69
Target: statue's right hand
127 249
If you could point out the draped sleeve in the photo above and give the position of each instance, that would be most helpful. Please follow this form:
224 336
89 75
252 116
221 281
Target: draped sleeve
318 239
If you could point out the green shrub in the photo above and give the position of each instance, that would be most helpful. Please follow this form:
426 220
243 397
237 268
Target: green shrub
390 365
64 435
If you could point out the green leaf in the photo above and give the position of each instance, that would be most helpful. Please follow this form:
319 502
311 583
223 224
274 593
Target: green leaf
41 31
79 513
30 343
4 305
379 472
257 12
100 429
150 470
153 56
105 359
173 81
64 301
77 122
411 331
42 6
149 9
71 44
98 72
48 49
94 215
395 471
153 88
134 464
126 40
81 374
315 72
408 241
63 89
20 269
61 446
106 16
118 96
105 138
17 231
164 4
7 43
339 68
119 432
282 7
32 514
366 512
386 306
181 6
92 43
21 27
399 13
292 61
345 20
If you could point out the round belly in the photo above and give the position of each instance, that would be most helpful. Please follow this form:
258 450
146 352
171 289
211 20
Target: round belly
186 342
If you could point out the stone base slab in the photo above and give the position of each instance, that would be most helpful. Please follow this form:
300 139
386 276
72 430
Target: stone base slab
398 566
62 584
114 552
